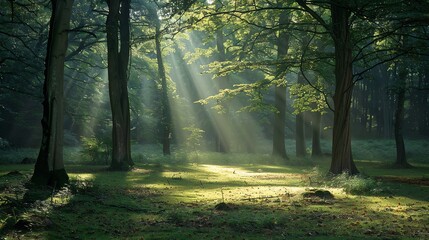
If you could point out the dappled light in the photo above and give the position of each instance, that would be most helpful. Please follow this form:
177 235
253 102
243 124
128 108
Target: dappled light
214 119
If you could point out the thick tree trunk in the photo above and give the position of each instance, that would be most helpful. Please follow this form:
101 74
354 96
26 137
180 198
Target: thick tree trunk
342 160
279 125
316 150
165 108
118 91
401 158
49 168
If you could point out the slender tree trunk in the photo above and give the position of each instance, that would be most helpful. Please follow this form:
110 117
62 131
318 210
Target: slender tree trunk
279 148
401 158
423 110
280 93
118 77
342 160
221 121
299 135
385 102
316 150
49 168
299 129
165 107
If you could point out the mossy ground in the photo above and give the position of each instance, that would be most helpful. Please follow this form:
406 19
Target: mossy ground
175 199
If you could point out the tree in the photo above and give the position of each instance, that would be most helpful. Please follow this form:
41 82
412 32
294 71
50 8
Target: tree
401 75
299 128
280 91
49 168
342 159
165 105
118 59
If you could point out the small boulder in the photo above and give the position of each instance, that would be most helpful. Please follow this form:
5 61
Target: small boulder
224 206
318 193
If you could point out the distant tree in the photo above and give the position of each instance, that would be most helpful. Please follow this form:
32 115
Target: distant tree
118 47
165 104
221 122
401 74
279 125
299 128
311 102
49 168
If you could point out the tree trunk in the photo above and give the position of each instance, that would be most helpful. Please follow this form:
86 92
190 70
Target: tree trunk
49 168
279 125
385 102
299 129
118 92
165 105
423 111
221 121
342 160
401 158
316 150
299 135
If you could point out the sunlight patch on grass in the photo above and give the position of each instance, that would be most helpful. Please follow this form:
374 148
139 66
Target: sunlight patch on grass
81 176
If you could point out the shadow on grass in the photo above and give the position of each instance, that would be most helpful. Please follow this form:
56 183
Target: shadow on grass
154 202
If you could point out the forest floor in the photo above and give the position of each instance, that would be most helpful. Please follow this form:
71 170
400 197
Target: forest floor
243 199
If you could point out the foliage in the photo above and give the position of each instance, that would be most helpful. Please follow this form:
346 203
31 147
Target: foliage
194 137
307 99
356 184
352 184
96 149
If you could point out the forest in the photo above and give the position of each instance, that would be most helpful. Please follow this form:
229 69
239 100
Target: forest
214 119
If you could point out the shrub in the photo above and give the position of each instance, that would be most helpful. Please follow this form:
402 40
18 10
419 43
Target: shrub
355 184
97 150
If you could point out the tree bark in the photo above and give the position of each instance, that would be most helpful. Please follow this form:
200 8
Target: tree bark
117 74
316 150
299 129
299 135
165 105
279 125
49 168
342 160
401 158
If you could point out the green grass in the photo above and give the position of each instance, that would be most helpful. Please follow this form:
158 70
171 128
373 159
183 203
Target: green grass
176 197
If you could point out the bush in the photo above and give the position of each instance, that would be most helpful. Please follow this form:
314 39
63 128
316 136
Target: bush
96 150
355 184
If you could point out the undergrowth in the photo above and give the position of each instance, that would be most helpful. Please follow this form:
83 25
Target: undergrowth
352 184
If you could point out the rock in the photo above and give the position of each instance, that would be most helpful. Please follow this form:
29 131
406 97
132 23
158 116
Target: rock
317 193
224 206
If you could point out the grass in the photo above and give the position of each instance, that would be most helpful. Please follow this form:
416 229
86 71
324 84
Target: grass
181 197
